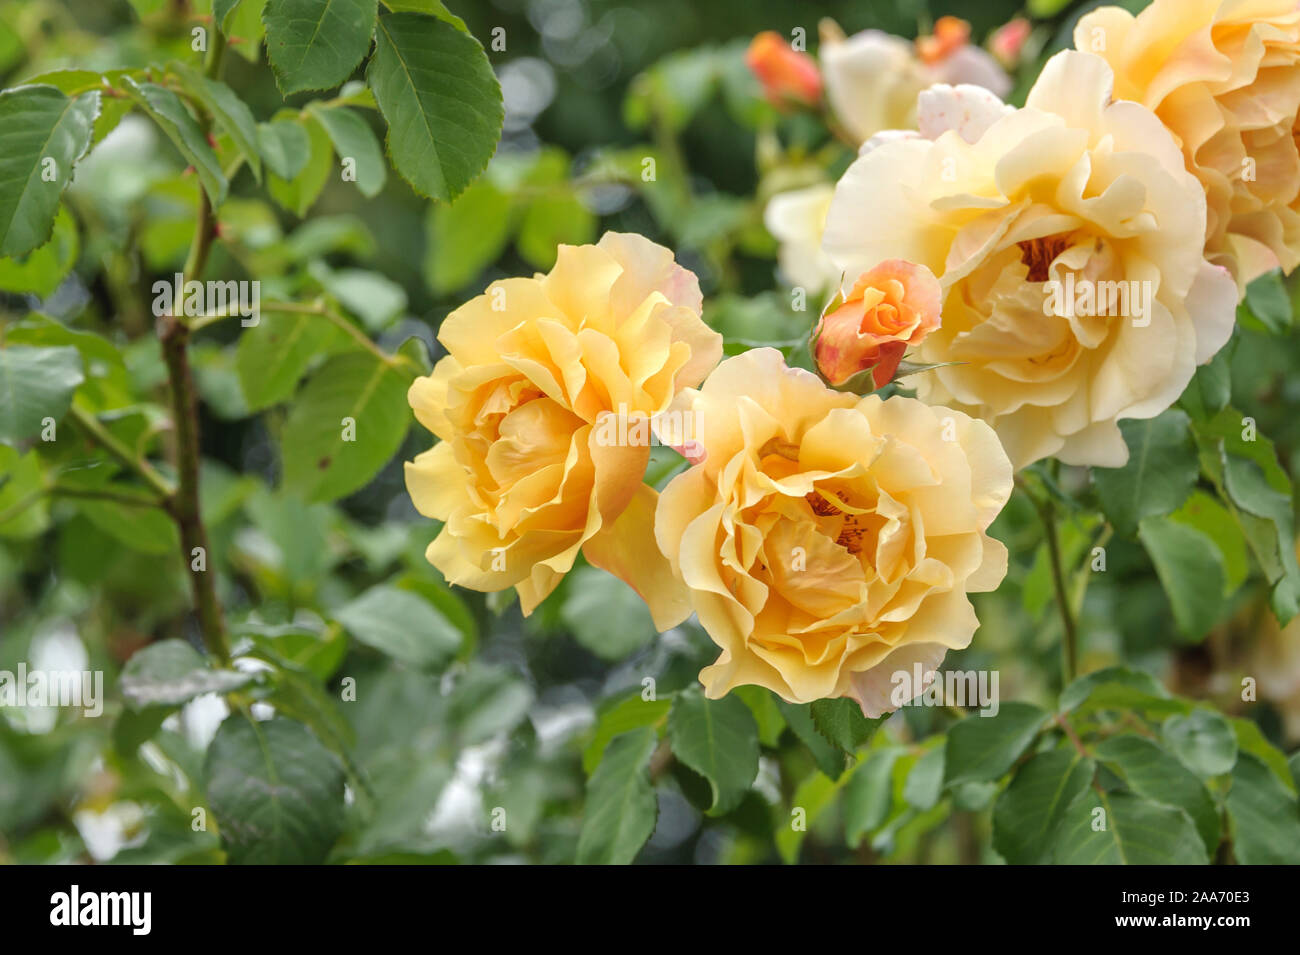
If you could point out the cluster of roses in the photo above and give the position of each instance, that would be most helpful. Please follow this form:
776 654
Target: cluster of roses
826 539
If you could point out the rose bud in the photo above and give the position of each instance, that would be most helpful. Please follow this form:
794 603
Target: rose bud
890 308
787 75
950 34
1008 40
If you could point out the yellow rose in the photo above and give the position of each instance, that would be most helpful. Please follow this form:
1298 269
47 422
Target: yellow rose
542 404
796 219
1224 76
1067 240
828 540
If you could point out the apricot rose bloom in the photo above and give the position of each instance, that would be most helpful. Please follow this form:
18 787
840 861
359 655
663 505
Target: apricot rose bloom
1019 212
796 219
1224 77
889 308
829 540
524 477
787 75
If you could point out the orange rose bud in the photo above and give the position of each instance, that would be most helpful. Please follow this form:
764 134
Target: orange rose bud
1008 40
890 308
787 75
950 35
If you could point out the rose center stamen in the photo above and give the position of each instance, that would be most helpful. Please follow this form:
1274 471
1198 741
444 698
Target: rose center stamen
1038 254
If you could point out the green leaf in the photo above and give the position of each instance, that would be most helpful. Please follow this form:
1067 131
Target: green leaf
316 44
347 423
487 701
273 355
1205 514
74 83
1249 487
1031 809
354 140
230 112
1264 814
762 704
830 759
442 102
1083 688
1251 740
143 527
297 696
1134 831
1203 740
605 615
35 383
552 219
813 797
621 808
1153 773
1211 387
22 494
868 794
43 269
1267 306
298 193
242 19
841 721
402 625
434 7
1191 571
171 672
306 647
982 748
466 236
1161 471
40 124
276 793
371 296
924 783
166 109
719 740
283 143
627 714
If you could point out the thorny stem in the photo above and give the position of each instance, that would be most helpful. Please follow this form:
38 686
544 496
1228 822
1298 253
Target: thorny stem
174 336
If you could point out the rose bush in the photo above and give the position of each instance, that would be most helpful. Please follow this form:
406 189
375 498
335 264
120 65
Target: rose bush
605 431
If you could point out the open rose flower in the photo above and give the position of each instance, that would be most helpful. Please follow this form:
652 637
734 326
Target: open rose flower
525 475
786 74
1224 77
890 308
1067 238
829 540
796 218
872 78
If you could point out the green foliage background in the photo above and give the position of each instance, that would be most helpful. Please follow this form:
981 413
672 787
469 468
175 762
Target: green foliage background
417 723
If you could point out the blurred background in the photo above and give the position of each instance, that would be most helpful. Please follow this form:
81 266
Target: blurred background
592 88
